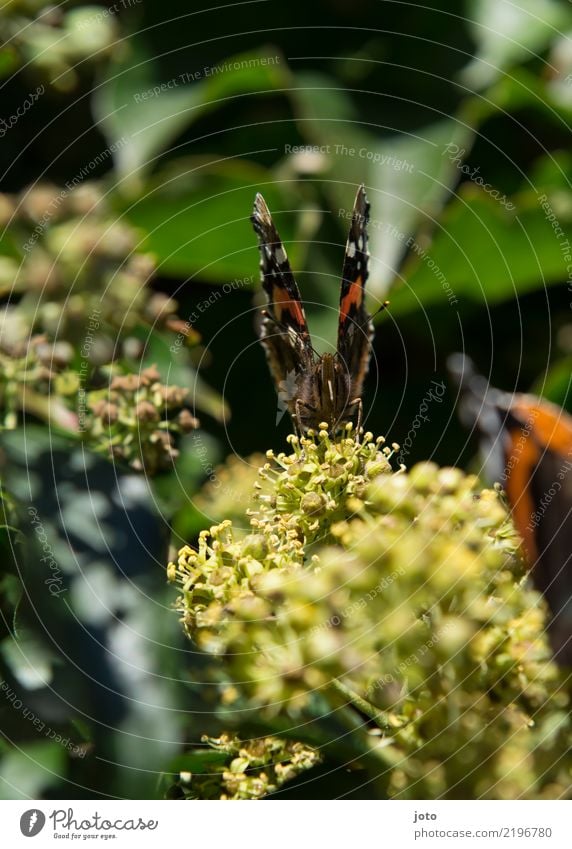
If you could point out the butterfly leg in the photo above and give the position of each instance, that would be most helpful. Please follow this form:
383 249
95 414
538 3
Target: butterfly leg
298 421
357 402
296 417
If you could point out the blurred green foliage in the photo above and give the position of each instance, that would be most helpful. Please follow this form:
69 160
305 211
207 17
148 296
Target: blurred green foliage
132 143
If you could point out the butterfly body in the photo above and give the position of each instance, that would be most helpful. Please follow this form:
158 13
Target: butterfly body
316 389
324 395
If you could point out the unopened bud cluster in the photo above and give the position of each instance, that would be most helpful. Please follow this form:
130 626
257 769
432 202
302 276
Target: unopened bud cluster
136 419
78 305
55 41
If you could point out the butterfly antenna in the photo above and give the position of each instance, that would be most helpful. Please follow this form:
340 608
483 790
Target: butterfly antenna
384 305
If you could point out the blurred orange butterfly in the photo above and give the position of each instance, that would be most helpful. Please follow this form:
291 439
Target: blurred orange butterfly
526 446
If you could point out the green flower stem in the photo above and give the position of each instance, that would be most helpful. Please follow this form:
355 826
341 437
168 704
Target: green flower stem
380 717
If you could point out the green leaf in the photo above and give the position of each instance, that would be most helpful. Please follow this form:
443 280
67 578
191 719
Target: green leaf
28 772
141 116
8 61
550 98
510 31
198 761
552 172
408 177
555 385
485 253
412 186
11 591
30 660
196 217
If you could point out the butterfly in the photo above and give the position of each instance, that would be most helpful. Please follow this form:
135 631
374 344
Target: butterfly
526 445
316 389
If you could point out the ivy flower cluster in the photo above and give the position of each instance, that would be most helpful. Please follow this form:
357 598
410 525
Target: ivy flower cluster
80 303
136 418
235 769
399 599
55 40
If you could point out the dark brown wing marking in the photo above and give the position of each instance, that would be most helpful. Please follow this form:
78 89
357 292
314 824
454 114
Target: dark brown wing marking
355 327
284 302
284 331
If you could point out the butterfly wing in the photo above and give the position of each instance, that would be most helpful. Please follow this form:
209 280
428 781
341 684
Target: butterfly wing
284 330
540 486
479 411
355 327
526 444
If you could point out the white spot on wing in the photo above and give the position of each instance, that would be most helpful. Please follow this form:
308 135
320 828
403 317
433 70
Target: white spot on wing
331 388
351 249
280 255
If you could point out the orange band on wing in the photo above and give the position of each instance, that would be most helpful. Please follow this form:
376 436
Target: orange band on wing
544 426
519 493
552 426
352 298
284 303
